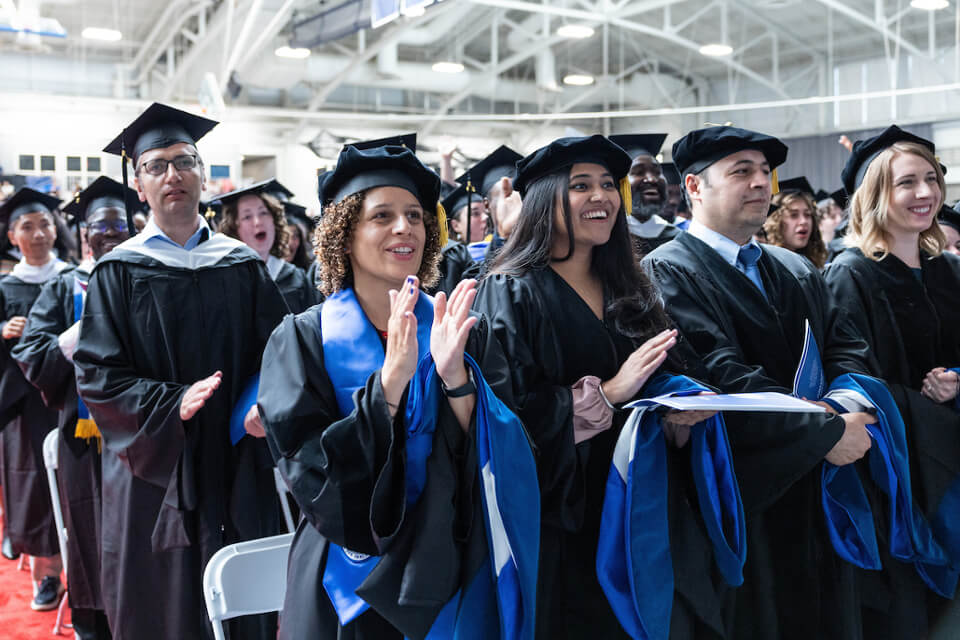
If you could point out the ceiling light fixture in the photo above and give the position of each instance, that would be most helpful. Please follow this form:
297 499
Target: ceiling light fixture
575 31
415 12
716 50
577 79
447 67
297 53
929 5
97 33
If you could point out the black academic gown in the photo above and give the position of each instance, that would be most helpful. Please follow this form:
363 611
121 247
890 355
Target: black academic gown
644 245
25 421
454 263
296 289
912 326
347 475
313 277
170 488
78 468
795 586
552 339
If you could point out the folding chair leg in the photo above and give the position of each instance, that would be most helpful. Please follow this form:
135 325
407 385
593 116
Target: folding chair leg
22 562
58 625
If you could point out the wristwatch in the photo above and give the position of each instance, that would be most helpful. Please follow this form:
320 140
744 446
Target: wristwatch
465 389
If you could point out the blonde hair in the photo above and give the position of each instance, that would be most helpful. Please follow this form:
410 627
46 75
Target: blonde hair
815 251
870 205
332 238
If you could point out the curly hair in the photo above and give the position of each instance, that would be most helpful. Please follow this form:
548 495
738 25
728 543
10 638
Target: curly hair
870 205
815 251
281 237
333 234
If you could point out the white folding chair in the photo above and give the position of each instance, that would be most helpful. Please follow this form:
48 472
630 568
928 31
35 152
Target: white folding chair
246 578
50 443
284 500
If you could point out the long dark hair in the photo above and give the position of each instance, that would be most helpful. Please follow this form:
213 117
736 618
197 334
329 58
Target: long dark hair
634 303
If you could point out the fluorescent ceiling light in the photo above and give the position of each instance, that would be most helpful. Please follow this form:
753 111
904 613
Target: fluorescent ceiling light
716 50
97 33
415 12
577 79
287 52
929 5
447 67
575 31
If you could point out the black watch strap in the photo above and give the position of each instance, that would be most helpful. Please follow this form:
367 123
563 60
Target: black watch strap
465 389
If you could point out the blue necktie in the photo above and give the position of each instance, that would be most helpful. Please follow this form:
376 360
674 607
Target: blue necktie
747 260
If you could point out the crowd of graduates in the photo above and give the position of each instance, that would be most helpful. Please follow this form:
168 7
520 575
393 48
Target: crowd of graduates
444 372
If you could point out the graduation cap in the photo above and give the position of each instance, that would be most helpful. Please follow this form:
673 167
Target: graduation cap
391 166
670 173
841 197
102 192
486 173
212 211
270 187
298 213
408 140
865 151
800 185
699 149
821 195
638 144
157 127
459 198
949 216
26 200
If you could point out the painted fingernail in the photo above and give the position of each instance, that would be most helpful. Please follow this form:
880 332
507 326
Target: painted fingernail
411 290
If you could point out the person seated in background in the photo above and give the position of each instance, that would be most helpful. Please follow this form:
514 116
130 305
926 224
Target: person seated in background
792 223
255 217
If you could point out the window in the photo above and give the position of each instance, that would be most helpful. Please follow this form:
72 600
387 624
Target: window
27 163
93 164
48 163
74 163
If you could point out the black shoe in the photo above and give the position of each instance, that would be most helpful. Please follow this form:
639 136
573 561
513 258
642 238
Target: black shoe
8 551
49 594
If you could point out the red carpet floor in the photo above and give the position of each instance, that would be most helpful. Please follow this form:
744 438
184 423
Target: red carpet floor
17 620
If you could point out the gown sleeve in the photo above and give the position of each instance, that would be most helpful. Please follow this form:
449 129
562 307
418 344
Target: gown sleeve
39 354
139 418
773 450
13 386
545 408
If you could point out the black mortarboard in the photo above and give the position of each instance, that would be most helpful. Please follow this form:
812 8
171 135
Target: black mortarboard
800 184
841 197
102 192
565 152
158 127
298 213
699 149
459 198
270 187
212 211
26 200
637 144
821 195
361 169
499 164
949 216
865 151
408 140
670 173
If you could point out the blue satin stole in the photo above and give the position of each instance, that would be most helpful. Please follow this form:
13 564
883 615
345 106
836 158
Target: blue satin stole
933 548
634 565
478 249
352 350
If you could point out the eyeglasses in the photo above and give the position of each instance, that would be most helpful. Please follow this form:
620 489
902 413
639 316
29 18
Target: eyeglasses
158 166
103 226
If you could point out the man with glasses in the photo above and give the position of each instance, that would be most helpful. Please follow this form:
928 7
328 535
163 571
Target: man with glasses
45 355
172 331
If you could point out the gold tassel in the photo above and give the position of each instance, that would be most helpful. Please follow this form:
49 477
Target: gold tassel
774 183
442 222
209 214
86 429
626 196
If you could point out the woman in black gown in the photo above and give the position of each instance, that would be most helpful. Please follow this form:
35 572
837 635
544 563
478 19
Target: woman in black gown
900 288
334 385
584 329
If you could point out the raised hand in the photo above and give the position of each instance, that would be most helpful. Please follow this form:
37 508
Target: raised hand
448 336
198 394
14 327
252 423
638 368
400 360
855 441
